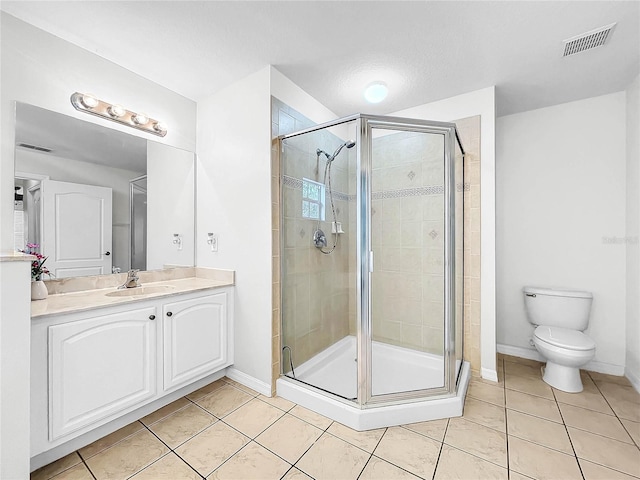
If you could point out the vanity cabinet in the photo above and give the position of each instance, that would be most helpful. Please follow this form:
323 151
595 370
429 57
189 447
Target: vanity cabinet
194 338
99 366
91 367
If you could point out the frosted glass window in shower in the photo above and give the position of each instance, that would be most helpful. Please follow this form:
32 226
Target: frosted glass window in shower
313 195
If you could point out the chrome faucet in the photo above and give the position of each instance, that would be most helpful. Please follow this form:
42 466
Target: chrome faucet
132 280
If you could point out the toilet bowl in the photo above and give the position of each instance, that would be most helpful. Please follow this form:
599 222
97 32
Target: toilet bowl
560 317
565 352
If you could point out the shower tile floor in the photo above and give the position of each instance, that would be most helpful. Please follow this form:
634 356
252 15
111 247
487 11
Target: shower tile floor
517 428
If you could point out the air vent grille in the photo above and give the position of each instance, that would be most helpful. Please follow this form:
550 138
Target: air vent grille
587 41
33 147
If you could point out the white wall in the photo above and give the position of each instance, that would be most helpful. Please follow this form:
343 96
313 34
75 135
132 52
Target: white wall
560 193
234 192
632 370
44 70
480 102
288 92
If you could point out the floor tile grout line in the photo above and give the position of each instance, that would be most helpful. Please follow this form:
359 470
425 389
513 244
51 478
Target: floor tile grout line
575 454
188 464
611 407
506 419
487 426
474 455
85 464
435 467
397 466
156 461
372 451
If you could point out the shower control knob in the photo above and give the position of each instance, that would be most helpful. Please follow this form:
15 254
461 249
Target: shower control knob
169 314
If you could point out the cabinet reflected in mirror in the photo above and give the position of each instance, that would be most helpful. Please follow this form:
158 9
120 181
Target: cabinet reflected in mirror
98 200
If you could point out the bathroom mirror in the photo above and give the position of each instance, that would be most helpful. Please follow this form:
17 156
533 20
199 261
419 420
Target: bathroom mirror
98 200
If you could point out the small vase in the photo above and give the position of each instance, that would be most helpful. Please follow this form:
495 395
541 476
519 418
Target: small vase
38 290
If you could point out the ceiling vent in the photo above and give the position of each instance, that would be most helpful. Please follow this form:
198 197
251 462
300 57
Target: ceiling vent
33 147
587 41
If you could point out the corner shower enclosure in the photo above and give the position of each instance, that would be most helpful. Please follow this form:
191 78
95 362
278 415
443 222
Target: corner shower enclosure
372 270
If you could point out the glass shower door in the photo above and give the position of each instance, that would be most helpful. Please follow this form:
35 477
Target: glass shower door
318 259
408 235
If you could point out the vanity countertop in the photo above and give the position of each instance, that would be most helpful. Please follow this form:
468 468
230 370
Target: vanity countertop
84 300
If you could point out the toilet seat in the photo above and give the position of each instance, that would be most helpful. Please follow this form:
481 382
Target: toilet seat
564 338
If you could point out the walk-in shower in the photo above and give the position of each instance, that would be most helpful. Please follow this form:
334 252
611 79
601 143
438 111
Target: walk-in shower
372 310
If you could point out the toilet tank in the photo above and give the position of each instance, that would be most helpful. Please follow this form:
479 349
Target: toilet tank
558 307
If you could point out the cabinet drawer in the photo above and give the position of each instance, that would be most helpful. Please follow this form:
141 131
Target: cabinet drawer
98 367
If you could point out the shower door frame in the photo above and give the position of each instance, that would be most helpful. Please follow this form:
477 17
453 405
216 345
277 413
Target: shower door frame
364 234
364 257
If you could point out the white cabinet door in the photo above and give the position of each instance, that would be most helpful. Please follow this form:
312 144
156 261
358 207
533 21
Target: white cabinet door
100 366
194 338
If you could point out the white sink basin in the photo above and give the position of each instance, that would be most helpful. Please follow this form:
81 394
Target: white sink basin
144 290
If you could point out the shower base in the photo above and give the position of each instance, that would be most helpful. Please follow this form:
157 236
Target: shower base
395 369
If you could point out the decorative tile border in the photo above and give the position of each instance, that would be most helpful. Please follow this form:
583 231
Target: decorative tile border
296 183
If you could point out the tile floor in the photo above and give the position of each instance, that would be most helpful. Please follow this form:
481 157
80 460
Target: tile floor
517 428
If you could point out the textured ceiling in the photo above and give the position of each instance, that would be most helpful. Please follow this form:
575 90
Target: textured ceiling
424 51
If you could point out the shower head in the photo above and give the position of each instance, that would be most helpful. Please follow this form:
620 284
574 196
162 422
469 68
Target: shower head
348 144
330 158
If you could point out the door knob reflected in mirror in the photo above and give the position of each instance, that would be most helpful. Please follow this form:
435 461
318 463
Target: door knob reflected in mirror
169 314
107 253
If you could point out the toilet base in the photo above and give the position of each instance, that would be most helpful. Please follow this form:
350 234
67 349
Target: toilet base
562 377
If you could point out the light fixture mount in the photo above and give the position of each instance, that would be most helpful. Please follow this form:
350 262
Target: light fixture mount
116 113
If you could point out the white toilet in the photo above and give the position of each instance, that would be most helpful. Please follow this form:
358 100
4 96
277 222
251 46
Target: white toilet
561 316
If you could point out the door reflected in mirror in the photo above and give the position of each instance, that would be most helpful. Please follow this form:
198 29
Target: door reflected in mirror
98 200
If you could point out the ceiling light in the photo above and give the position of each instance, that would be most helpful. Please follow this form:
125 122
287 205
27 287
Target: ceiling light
376 92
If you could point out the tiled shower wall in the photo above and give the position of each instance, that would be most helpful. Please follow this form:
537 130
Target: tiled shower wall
469 132
322 303
407 226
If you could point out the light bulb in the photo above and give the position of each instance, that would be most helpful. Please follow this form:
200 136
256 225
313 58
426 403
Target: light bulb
376 92
160 127
140 118
116 110
89 101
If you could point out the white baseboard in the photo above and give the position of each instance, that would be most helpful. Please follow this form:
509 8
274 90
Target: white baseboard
531 354
521 352
249 381
633 378
489 374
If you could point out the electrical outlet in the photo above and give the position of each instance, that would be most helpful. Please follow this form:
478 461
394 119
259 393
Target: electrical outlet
212 240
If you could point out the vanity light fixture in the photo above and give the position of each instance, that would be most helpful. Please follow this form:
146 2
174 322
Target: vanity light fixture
90 104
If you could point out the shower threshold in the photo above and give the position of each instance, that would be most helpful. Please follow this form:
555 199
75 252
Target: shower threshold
395 369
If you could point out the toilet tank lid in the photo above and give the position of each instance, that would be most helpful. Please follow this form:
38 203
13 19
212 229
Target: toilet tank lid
557 292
